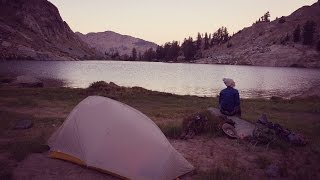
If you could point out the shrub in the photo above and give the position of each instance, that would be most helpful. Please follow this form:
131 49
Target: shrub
318 46
201 123
229 45
98 85
101 85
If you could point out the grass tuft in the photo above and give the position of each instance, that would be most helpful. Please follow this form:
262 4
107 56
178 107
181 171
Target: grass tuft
172 130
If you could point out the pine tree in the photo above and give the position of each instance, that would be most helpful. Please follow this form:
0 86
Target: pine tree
149 54
206 41
160 53
225 35
266 17
199 41
296 34
172 51
220 36
134 54
188 48
309 29
166 49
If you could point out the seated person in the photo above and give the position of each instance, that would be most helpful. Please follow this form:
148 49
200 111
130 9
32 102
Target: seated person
229 99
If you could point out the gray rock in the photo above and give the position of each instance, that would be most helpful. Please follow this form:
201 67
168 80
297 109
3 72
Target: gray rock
263 119
272 170
27 51
27 81
297 139
23 124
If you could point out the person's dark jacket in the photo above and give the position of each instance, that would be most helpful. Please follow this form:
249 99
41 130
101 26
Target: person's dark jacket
229 99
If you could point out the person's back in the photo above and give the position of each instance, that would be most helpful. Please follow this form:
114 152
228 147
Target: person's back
229 99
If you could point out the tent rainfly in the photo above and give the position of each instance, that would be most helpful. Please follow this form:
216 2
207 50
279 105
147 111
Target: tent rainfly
117 139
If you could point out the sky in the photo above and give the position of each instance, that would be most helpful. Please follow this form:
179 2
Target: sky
163 21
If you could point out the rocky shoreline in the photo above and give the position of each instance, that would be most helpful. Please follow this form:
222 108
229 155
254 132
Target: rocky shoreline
38 82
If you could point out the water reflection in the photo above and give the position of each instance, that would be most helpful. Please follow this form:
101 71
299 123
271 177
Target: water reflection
190 79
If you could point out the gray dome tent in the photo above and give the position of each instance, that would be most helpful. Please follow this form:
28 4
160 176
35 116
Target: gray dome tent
115 138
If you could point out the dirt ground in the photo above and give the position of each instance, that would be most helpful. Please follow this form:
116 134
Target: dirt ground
240 159
204 153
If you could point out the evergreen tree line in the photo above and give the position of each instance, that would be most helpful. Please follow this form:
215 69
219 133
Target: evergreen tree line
189 50
306 34
192 49
264 18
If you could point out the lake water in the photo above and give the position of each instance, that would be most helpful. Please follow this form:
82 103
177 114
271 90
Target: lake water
183 79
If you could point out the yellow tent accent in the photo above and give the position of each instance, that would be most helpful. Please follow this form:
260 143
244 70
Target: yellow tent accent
66 157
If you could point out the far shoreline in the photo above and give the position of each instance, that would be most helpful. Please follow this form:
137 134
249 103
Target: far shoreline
6 80
168 62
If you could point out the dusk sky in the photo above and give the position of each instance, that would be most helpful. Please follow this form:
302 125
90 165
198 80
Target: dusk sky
162 21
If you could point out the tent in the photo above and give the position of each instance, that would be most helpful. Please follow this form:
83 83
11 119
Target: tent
115 138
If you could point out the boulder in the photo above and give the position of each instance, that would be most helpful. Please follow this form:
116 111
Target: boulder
23 124
27 81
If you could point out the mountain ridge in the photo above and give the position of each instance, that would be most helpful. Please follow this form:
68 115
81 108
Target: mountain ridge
34 30
112 42
270 43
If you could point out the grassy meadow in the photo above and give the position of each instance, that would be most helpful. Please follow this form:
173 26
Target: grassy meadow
48 107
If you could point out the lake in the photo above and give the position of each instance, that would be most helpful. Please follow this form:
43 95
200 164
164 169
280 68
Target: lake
177 78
